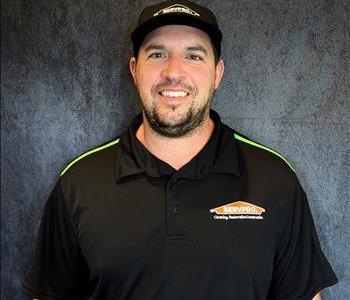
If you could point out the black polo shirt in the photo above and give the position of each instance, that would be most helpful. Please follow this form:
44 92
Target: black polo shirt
233 223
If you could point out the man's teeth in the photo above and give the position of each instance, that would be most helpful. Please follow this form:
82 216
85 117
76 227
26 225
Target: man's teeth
173 94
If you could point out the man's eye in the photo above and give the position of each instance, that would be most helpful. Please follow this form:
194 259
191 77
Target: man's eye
195 57
156 55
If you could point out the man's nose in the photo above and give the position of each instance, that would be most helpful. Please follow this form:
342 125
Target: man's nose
173 69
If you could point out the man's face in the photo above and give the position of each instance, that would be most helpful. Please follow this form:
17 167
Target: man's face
176 76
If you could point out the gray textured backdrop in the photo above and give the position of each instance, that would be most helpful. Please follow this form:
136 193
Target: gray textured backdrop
65 88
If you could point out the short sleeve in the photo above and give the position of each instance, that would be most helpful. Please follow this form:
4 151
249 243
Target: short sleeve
301 270
58 269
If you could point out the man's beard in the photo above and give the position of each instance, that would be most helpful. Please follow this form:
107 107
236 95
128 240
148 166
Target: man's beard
192 120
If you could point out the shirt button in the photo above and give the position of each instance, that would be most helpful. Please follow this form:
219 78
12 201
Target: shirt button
176 209
173 183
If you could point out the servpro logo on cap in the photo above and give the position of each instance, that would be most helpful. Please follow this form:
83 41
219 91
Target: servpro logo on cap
238 210
176 8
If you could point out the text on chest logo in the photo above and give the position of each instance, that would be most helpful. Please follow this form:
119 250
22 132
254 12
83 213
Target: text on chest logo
238 210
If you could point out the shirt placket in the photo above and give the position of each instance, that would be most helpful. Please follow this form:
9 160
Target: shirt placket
175 223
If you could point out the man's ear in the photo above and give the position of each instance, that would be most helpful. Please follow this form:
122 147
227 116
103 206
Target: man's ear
132 67
219 72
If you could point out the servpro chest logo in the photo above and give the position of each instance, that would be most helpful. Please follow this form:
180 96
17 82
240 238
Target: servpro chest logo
238 210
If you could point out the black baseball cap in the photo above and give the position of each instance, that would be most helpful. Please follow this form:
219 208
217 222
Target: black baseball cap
179 12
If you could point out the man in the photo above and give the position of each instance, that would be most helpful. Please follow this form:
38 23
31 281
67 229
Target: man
180 206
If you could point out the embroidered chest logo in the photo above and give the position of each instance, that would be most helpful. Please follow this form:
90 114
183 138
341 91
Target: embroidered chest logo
238 210
176 8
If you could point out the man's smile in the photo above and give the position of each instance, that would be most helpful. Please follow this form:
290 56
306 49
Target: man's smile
173 94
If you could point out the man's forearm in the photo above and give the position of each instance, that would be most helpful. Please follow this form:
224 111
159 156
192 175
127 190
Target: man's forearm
317 297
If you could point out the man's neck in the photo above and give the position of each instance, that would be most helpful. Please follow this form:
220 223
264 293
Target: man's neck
175 151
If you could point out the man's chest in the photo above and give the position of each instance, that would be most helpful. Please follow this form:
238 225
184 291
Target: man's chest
162 229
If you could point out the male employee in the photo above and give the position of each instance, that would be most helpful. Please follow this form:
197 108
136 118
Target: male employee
179 206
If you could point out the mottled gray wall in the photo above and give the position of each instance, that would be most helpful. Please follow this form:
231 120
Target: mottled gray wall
65 88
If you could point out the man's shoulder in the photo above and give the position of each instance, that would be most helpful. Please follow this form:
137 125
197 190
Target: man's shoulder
93 160
258 158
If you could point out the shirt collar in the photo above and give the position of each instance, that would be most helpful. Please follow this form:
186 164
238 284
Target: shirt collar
219 155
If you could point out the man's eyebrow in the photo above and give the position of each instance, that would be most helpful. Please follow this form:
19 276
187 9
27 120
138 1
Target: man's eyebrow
154 47
189 48
197 48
